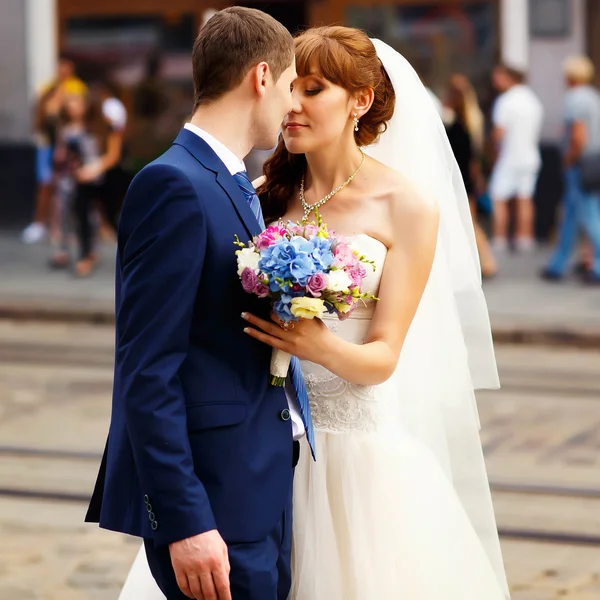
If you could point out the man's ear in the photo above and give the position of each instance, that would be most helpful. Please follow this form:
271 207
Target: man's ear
364 100
260 78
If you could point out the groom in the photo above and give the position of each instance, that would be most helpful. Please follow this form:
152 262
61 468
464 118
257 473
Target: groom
200 453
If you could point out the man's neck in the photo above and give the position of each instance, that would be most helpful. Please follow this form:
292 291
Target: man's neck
227 122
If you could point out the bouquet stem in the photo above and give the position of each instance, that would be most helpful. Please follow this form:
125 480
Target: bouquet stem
280 365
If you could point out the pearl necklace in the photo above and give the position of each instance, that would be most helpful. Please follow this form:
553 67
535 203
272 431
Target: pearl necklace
308 208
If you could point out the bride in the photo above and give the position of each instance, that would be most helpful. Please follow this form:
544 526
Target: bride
397 504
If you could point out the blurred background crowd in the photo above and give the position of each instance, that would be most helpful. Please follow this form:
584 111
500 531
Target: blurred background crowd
108 86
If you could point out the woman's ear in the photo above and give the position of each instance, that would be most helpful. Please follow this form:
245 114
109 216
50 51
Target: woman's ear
363 101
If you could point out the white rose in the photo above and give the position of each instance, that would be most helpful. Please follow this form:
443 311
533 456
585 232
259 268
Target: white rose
247 258
339 281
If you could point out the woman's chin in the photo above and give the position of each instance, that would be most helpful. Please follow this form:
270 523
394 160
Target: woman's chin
295 146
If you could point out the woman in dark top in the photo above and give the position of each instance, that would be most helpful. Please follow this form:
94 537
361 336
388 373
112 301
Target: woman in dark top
464 133
460 140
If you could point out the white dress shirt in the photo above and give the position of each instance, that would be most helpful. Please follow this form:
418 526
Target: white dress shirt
235 165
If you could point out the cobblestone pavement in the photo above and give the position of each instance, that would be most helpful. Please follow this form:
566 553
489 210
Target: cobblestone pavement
540 429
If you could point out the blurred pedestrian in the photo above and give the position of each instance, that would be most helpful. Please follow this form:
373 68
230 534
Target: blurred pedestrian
107 95
581 209
47 110
517 124
465 128
76 146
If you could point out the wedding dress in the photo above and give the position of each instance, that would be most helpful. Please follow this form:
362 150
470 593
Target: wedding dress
376 515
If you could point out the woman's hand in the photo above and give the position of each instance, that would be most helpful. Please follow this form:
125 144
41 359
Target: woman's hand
89 173
307 339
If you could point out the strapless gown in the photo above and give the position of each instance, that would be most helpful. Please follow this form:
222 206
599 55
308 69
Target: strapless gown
376 516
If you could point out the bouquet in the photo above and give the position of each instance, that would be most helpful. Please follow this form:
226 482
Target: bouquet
307 271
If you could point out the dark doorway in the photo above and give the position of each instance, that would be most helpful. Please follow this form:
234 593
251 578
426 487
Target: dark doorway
292 14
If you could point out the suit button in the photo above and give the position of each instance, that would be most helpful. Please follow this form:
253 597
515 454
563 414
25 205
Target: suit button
285 415
151 517
149 507
146 499
154 525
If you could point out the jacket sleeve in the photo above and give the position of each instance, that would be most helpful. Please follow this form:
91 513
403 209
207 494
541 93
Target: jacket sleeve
162 245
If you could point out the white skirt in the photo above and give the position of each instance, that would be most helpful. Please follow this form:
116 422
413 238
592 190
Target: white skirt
375 517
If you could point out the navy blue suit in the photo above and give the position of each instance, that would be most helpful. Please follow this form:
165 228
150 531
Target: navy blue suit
198 440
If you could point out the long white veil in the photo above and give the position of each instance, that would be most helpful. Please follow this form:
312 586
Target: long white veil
448 352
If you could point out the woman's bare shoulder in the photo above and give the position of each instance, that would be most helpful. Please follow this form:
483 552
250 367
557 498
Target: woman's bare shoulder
401 195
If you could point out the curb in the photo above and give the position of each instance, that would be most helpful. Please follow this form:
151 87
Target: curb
502 334
559 337
56 314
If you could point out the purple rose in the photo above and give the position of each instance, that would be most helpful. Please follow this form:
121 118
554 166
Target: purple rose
249 280
316 284
262 291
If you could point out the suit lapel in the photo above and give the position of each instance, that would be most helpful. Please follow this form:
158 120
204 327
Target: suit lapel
205 155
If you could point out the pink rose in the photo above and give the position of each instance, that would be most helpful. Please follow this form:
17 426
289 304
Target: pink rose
261 290
269 236
249 280
310 231
357 274
294 228
316 284
344 257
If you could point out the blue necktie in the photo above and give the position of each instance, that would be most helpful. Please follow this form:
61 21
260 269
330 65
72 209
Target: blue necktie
296 376
249 192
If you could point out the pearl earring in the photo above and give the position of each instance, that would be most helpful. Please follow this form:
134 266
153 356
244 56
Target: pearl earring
355 122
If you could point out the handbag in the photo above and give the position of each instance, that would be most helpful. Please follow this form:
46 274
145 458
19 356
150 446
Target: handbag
589 168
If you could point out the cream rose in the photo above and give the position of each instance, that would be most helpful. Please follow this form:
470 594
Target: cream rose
247 259
339 281
307 308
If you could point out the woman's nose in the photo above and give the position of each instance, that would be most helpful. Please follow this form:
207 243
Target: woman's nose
296 102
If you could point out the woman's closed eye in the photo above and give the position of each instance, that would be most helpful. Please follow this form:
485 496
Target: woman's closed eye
313 92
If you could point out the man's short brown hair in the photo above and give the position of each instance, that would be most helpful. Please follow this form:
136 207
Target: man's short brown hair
232 42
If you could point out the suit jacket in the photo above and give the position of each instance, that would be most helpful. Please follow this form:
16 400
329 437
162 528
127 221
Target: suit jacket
198 438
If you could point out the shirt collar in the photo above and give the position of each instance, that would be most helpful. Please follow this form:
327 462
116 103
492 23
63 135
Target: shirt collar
228 158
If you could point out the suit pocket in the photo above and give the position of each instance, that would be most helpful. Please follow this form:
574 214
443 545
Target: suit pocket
215 414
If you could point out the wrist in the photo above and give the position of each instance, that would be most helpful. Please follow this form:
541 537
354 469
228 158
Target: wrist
331 350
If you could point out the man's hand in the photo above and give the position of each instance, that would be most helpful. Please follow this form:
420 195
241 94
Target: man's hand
201 565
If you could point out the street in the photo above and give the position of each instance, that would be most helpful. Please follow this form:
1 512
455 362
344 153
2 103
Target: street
541 437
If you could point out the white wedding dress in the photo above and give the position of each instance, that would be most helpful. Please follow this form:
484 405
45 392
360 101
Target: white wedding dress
376 516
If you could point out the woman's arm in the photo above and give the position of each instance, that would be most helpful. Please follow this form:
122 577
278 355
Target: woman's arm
110 159
405 275
577 143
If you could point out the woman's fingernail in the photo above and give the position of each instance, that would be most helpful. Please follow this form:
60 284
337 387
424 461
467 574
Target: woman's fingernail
244 315
246 330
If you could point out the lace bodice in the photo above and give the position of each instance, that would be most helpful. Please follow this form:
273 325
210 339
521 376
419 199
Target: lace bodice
337 405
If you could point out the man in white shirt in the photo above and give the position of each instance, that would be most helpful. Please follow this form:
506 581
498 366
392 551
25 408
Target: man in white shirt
517 120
